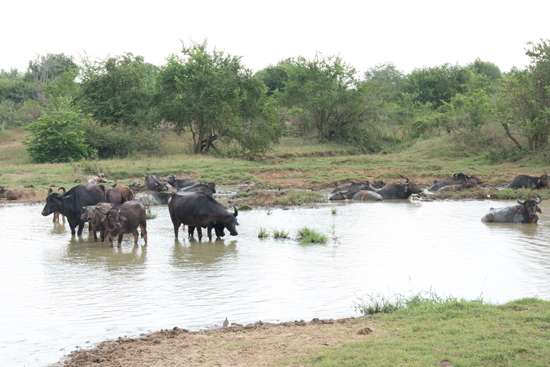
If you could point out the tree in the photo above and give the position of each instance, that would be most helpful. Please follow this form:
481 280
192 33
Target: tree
45 70
438 84
327 91
214 96
57 137
525 103
116 90
389 78
274 77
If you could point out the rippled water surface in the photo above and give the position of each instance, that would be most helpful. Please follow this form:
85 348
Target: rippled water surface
58 292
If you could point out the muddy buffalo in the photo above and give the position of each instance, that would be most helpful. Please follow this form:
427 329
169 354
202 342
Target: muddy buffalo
95 220
457 179
525 212
468 185
152 182
70 203
125 192
530 182
125 218
199 210
398 190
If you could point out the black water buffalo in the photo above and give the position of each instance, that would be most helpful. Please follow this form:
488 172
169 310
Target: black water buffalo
70 203
125 218
348 191
206 187
468 185
397 191
113 196
218 229
530 182
525 212
125 192
94 219
177 183
457 179
152 182
198 209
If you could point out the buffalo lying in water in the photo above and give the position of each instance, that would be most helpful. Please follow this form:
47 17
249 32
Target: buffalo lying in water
349 191
394 191
525 212
457 179
468 185
529 182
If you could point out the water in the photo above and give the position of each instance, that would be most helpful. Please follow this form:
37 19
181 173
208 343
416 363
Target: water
58 292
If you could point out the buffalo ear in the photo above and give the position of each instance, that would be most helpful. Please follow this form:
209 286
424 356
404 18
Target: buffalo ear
122 218
66 197
83 216
521 210
539 210
104 219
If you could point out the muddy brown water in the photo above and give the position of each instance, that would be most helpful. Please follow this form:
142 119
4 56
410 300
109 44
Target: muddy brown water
59 293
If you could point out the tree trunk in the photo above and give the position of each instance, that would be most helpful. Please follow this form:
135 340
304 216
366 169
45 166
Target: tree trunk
513 139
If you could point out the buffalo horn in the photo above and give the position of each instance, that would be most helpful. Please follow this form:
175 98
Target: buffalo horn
236 211
539 200
64 192
455 175
519 201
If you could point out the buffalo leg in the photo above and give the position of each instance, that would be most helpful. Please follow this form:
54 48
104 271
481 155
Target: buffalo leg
111 239
95 236
176 227
102 234
210 231
136 236
119 243
199 231
143 232
190 231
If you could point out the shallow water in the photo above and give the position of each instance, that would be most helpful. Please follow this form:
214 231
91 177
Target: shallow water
59 292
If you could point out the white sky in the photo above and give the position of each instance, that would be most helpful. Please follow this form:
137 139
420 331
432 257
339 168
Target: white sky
365 33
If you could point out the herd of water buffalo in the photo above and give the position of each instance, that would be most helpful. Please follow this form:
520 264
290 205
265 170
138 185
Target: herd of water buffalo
120 209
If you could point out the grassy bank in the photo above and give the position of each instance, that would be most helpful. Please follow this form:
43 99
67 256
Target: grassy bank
295 163
435 332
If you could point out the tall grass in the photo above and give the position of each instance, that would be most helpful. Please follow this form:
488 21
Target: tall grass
263 233
280 233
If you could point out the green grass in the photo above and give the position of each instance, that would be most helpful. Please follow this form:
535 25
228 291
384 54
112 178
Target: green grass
263 233
280 233
333 211
309 236
297 197
425 329
150 215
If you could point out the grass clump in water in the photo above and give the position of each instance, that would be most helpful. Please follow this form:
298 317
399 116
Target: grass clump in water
263 233
280 233
309 236
333 211
150 215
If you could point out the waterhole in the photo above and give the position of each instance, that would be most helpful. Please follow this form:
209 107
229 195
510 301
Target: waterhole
60 292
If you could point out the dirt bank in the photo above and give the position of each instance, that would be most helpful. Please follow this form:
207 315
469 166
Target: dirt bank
259 344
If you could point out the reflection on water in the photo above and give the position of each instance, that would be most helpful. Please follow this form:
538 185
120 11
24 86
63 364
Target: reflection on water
60 291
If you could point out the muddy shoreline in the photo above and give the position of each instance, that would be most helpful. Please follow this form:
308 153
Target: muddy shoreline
257 344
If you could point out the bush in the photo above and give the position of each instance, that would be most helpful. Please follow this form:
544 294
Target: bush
57 137
121 141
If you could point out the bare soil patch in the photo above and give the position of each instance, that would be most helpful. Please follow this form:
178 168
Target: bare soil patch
259 344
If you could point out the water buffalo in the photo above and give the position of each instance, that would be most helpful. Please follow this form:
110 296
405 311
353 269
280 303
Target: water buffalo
125 192
2 192
530 182
177 184
112 196
218 229
94 219
457 179
125 218
12 195
198 209
348 191
70 203
100 178
468 185
206 187
397 191
525 212
152 182
367 195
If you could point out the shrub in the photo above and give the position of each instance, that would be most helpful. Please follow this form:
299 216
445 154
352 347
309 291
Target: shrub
280 233
263 233
307 236
57 137
121 141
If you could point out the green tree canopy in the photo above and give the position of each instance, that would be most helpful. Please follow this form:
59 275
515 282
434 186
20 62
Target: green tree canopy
214 96
116 90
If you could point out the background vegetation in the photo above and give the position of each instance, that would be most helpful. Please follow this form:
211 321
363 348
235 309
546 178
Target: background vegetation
124 106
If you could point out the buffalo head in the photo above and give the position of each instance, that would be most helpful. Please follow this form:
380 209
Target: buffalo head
54 201
230 222
113 219
530 206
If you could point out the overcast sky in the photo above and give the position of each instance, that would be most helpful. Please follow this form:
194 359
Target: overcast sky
409 34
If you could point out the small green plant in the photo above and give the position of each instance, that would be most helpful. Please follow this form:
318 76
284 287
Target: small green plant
333 211
308 236
268 211
150 215
263 233
280 233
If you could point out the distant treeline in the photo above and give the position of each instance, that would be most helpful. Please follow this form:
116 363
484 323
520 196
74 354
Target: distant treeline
230 110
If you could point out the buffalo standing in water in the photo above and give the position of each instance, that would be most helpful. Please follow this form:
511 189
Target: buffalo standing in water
525 212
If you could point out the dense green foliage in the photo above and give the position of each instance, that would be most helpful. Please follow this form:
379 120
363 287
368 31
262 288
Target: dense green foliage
57 137
215 97
221 106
